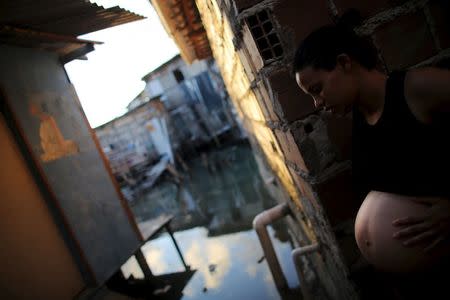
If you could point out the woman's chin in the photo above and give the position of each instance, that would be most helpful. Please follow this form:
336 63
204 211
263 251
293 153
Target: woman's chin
341 111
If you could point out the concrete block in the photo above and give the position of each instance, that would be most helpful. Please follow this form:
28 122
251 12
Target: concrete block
301 17
366 8
336 197
440 12
290 149
311 137
293 101
405 41
272 111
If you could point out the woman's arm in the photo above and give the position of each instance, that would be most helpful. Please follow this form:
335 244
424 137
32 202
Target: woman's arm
427 92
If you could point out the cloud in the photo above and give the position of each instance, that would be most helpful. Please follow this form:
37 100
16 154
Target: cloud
131 267
155 259
203 253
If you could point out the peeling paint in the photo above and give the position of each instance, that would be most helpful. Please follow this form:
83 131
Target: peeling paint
53 143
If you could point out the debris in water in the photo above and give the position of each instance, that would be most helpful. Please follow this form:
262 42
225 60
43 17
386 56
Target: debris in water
162 290
261 259
205 289
212 268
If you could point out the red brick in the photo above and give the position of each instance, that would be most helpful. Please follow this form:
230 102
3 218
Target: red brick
337 199
306 191
280 81
366 8
296 104
440 11
310 137
293 101
253 63
266 110
247 64
290 149
405 41
334 196
302 16
340 135
270 111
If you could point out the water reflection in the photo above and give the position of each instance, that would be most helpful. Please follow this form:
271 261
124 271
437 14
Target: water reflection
214 209
227 266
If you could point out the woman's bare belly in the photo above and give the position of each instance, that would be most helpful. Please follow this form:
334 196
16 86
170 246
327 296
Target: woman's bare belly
374 230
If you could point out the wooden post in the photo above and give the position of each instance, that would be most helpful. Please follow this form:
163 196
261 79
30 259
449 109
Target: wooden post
143 264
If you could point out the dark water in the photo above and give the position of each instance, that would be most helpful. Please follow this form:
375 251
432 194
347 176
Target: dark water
214 210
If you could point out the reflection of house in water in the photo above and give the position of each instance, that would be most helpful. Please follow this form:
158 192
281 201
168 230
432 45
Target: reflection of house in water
224 200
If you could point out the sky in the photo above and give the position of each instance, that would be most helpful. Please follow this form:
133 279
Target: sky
111 77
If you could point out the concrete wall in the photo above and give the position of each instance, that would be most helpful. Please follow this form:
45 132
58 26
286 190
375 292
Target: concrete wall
36 263
165 75
127 139
310 153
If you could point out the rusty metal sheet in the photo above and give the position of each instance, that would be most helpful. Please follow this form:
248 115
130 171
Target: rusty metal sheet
53 124
53 25
68 17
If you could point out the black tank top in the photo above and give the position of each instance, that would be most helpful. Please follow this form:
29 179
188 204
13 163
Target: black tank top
400 154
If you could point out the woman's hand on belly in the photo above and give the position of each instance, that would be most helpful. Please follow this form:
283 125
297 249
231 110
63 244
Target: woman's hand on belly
432 228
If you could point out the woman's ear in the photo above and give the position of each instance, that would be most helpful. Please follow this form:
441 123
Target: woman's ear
344 61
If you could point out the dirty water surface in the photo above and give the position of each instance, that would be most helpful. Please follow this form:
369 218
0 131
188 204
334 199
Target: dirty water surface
213 212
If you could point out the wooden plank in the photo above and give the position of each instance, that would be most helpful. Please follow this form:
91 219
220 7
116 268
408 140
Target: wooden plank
151 227
122 199
44 186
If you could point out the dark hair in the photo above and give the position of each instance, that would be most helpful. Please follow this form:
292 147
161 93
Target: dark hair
321 47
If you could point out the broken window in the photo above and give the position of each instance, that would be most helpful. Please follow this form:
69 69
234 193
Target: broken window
266 38
179 77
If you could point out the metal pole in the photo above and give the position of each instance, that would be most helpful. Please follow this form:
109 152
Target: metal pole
169 230
296 254
259 224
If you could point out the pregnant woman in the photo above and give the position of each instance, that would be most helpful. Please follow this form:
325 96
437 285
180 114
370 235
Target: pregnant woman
401 154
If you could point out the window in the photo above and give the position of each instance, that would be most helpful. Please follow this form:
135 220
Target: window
179 77
267 40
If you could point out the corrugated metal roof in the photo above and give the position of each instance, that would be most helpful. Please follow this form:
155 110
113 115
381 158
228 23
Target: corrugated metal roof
53 25
67 47
67 17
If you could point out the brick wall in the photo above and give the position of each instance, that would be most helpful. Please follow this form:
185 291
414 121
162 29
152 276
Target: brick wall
310 152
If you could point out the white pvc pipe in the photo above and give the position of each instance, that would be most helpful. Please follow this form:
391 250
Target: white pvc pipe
296 254
259 224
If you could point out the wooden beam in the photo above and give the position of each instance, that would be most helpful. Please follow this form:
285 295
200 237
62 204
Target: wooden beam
78 53
40 35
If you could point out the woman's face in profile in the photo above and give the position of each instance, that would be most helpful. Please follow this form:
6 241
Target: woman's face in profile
334 90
